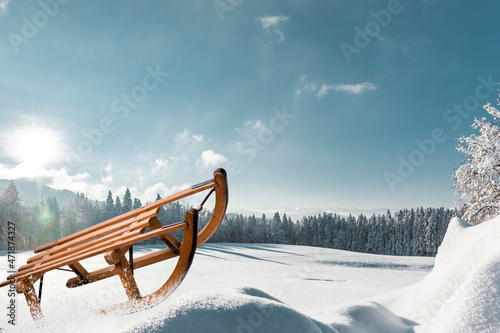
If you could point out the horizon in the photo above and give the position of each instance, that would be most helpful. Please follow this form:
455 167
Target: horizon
65 196
309 107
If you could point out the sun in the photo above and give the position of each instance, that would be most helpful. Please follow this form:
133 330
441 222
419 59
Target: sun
36 145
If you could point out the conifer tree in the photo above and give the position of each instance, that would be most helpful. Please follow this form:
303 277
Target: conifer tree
118 206
109 210
137 204
127 201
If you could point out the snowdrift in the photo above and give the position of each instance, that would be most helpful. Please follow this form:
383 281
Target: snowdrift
239 310
249 310
462 293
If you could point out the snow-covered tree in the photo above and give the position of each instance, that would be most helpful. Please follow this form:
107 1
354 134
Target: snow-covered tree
127 202
109 210
381 229
253 232
137 204
10 211
478 178
277 231
118 206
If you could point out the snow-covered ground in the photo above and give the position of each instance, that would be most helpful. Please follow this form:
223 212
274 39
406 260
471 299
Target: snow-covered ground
246 288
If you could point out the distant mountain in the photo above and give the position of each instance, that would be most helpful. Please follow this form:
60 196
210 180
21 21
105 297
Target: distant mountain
31 191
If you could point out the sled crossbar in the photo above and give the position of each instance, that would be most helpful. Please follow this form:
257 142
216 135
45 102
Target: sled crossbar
114 238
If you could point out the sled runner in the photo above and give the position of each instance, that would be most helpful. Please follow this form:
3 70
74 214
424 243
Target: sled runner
114 238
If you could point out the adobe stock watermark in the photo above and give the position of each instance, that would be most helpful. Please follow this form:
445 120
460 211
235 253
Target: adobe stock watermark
222 6
266 134
11 264
363 37
122 107
427 147
31 27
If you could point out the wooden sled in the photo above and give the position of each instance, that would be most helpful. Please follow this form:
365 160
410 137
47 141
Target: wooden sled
114 238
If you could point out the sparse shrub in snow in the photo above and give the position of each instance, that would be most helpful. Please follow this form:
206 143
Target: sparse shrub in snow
478 178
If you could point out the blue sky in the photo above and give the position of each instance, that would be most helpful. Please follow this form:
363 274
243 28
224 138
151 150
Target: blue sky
310 106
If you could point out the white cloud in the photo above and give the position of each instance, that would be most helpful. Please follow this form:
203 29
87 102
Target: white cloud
167 164
272 21
3 6
163 190
141 177
320 90
268 22
58 179
251 128
256 125
282 37
155 189
160 164
306 86
197 137
33 171
108 168
354 88
210 158
186 137
108 178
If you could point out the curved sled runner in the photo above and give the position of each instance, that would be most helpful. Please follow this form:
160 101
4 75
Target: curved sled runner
114 238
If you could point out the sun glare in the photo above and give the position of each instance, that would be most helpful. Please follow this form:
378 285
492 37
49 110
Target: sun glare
36 145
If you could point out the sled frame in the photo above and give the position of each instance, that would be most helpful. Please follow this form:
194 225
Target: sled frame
114 238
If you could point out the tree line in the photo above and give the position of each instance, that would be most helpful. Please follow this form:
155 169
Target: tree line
408 232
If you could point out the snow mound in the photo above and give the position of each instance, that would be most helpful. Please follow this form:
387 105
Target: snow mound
247 310
242 310
462 293
370 317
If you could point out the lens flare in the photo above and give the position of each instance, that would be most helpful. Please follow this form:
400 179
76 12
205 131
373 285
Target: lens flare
45 215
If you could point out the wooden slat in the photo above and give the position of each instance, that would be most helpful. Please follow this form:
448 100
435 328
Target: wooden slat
130 231
171 198
95 234
97 249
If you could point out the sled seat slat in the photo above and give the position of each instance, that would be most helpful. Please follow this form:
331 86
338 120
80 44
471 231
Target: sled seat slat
133 213
87 252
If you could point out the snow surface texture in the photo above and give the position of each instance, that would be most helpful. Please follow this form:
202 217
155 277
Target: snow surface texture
294 289
462 293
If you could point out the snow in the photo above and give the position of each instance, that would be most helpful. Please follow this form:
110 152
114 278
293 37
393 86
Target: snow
462 293
281 288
